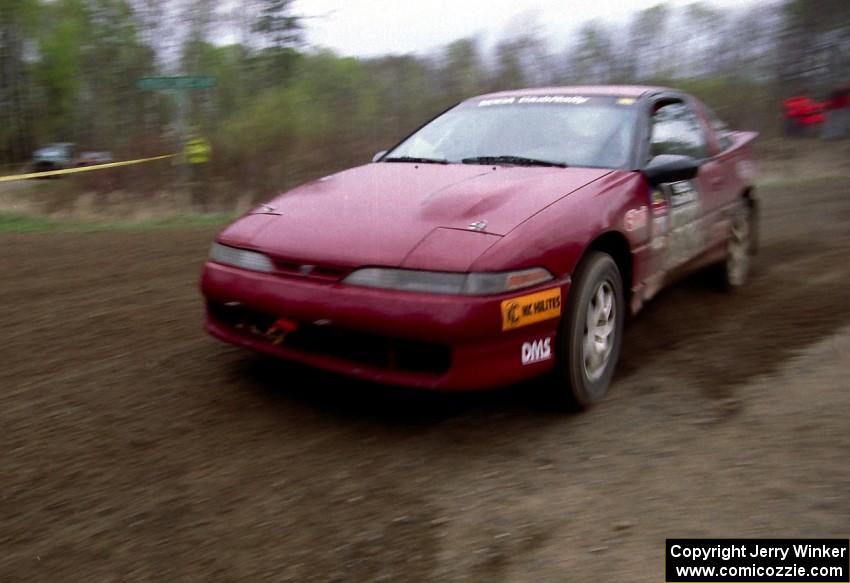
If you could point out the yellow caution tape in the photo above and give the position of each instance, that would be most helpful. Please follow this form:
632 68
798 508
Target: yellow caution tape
81 169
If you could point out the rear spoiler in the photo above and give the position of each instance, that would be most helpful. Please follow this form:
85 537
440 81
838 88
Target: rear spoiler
744 138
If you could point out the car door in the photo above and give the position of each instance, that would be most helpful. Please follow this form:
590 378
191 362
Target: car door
728 173
679 208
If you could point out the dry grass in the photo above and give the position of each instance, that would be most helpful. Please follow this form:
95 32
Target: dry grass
779 161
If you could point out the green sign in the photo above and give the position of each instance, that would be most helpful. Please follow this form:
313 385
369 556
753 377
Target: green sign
182 82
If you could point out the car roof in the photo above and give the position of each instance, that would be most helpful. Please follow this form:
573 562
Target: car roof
612 90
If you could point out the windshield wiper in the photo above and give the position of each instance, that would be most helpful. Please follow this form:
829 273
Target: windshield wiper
515 160
416 160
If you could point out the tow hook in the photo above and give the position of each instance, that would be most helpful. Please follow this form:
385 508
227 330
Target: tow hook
278 331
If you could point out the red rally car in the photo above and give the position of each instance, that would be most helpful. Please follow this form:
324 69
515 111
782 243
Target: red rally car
508 237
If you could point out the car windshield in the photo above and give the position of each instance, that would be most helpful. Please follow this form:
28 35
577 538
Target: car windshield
531 130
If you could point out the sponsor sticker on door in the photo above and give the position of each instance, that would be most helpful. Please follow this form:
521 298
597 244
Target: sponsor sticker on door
636 219
530 309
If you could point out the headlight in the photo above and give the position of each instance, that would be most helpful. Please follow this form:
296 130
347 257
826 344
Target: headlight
241 258
448 283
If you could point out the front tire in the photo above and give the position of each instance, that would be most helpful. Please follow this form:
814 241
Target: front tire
591 333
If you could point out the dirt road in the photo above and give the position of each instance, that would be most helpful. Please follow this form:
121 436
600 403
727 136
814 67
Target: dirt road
135 448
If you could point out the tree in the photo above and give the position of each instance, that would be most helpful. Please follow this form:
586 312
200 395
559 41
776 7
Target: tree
815 44
277 25
523 60
649 43
280 33
462 72
702 36
18 19
593 59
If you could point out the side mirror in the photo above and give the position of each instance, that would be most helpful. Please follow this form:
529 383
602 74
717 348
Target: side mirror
670 168
379 155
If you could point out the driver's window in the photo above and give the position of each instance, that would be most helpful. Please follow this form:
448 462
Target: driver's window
677 130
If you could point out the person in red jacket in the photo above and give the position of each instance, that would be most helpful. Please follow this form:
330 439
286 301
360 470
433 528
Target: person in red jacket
794 109
803 116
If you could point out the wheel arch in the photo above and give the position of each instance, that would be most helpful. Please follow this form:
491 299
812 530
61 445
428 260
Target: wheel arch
615 244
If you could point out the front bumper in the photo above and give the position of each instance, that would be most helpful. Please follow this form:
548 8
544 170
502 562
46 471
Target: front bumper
428 341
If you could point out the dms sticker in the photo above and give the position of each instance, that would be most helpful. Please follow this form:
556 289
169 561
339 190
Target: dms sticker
536 351
530 309
636 219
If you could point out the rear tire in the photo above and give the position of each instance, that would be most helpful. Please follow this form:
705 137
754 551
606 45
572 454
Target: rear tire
591 332
734 271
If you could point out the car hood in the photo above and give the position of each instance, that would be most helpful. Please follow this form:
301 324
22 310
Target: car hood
379 213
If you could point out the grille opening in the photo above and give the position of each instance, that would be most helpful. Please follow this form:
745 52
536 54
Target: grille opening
361 347
318 272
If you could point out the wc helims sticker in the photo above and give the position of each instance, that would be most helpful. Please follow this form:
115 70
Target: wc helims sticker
530 309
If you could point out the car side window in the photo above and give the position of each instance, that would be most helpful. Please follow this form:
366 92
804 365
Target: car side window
677 130
721 131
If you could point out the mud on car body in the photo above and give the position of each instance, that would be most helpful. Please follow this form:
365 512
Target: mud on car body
509 237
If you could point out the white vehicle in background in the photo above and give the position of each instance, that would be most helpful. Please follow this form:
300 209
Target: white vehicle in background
57 156
61 155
